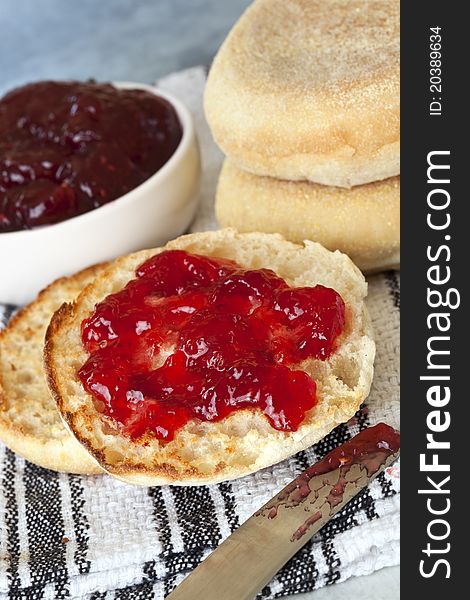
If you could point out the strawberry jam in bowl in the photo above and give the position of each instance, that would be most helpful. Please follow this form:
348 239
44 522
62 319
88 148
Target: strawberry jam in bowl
192 337
69 147
89 171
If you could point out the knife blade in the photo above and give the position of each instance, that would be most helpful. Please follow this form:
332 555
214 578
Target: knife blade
250 557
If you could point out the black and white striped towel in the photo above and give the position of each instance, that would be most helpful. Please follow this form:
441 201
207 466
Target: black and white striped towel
93 537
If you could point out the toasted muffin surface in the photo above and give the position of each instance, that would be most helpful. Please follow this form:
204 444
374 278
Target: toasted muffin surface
29 421
207 452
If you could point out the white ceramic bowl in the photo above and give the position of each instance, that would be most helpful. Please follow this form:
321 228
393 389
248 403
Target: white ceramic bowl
157 210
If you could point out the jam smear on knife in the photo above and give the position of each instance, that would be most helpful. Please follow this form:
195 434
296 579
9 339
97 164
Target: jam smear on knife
369 450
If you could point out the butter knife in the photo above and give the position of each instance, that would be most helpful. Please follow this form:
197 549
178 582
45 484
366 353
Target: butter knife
250 557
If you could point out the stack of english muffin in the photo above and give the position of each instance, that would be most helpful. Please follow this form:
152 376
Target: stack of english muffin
303 98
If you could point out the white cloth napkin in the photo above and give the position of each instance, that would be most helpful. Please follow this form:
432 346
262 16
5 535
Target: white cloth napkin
94 537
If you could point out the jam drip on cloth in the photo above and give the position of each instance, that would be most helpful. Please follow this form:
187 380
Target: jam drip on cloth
193 337
68 147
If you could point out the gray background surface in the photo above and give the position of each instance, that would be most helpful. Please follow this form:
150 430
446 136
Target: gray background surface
133 40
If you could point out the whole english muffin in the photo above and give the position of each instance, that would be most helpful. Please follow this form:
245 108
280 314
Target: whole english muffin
29 421
363 221
309 89
243 442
